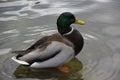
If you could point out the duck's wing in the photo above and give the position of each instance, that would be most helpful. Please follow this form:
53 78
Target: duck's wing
21 52
44 41
63 54
55 53
40 43
42 53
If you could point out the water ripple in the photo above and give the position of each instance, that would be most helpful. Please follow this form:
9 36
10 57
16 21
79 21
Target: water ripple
5 51
28 9
8 18
49 32
28 41
99 62
104 1
112 30
88 36
15 3
32 34
34 27
11 36
10 31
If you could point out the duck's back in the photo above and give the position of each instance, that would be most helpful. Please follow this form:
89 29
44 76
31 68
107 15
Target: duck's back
45 41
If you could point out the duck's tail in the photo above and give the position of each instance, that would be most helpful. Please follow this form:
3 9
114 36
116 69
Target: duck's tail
19 61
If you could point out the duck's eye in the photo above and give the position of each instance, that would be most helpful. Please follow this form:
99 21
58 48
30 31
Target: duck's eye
71 17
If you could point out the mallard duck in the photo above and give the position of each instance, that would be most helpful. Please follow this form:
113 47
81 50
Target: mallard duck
56 49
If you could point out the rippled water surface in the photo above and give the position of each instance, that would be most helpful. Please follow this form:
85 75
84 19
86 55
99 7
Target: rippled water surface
22 22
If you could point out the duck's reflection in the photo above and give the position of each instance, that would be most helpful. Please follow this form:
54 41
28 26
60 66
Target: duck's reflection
51 73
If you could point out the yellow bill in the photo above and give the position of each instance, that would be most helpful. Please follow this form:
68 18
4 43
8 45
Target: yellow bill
78 21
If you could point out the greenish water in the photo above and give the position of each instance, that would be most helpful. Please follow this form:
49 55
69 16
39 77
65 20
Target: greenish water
23 22
51 73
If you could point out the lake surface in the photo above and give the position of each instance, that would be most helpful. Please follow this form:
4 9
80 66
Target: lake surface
22 22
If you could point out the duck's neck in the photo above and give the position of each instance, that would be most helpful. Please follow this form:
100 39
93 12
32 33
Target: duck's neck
64 30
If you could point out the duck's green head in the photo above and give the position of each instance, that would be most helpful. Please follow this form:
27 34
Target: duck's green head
65 20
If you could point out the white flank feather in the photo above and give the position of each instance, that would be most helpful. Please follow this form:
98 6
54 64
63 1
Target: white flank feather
19 61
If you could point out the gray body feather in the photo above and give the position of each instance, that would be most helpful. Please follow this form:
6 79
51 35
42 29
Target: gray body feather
58 52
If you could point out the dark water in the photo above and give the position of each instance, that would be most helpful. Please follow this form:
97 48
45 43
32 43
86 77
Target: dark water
22 22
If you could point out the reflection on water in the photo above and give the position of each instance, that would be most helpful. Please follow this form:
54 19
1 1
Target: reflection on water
51 73
22 22
30 10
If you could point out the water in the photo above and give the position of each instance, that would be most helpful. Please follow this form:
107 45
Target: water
22 22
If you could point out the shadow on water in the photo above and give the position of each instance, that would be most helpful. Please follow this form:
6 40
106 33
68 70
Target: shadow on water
51 73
